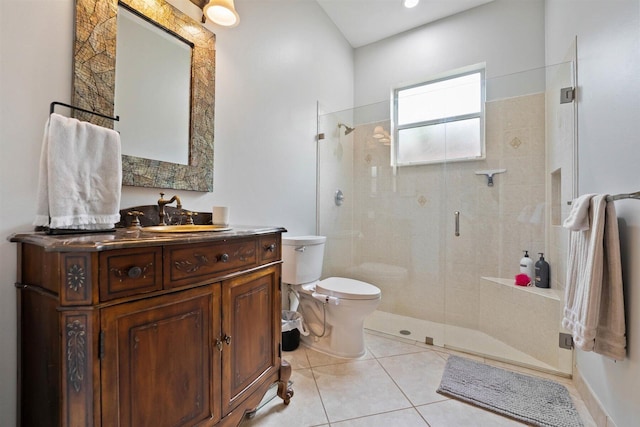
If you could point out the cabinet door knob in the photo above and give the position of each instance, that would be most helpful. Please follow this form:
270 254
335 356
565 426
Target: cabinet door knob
224 257
219 345
227 339
134 272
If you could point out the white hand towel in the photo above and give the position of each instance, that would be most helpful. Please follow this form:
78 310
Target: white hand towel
594 307
578 218
80 176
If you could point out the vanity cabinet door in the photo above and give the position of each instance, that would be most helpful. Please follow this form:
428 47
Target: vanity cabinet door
160 366
251 324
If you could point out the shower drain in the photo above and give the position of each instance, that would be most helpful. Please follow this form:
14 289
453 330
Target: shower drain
405 332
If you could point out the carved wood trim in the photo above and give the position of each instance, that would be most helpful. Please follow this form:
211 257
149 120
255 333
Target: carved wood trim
189 266
77 341
76 279
76 337
245 254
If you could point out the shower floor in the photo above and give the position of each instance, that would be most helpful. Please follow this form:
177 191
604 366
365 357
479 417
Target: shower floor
453 337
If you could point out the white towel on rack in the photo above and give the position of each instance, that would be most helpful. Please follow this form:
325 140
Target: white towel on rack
578 218
80 180
594 302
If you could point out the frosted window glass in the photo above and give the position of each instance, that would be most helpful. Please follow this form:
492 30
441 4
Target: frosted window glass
440 120
440 142
447 98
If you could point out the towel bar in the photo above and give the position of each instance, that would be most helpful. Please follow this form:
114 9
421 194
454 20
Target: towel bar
620 196
54 103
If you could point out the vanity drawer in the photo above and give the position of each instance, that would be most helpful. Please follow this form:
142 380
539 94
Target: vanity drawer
129 272
269 248
186 264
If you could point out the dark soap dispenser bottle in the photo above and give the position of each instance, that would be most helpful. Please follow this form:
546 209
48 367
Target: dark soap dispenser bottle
542 272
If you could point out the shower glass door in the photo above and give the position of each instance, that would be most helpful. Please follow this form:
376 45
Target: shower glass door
388 229
508 203
443 244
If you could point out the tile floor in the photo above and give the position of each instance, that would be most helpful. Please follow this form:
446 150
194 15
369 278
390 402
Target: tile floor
394 384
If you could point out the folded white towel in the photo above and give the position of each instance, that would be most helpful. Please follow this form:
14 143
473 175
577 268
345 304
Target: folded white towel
80 179
578 218
594 303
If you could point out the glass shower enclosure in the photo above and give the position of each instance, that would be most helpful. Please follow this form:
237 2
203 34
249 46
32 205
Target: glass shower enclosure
443 240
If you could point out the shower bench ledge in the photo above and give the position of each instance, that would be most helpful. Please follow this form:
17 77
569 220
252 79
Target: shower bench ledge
553 294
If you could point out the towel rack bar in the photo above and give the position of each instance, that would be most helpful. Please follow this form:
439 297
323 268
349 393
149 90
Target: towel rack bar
54 103
621 196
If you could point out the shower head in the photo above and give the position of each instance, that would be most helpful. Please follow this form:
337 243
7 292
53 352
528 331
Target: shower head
347 129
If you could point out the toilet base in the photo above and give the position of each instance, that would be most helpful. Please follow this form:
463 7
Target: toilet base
336 328
345 341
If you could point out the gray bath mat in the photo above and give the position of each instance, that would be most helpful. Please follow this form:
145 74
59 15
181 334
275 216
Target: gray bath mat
532 400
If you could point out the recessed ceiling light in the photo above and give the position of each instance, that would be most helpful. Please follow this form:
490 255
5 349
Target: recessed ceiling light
410 3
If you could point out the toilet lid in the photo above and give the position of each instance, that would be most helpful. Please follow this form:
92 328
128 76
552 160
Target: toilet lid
341 287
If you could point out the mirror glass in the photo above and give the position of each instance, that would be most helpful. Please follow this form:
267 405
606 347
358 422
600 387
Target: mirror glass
95 88
152 94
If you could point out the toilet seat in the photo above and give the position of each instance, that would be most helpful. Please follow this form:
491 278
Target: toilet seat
343 288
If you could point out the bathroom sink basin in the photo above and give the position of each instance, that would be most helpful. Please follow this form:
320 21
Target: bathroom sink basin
185 228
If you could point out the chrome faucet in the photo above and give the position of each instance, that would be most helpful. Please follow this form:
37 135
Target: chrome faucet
162 202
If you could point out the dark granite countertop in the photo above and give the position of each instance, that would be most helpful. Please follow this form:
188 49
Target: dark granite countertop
134 237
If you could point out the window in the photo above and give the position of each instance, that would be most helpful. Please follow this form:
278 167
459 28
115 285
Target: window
440 120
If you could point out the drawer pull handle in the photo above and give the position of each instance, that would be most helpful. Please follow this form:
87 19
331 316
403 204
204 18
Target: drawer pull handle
134 272
224 257
270 248
131 273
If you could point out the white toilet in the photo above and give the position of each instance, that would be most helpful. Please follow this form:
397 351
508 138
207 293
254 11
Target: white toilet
333 309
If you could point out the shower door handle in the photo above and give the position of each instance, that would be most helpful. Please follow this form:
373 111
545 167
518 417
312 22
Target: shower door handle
456 216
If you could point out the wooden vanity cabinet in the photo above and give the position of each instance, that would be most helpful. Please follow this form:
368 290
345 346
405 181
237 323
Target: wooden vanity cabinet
249 319
172 334
159 367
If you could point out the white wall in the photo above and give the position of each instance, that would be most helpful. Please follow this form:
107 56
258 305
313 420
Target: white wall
508 35
283 57
271 70
608 39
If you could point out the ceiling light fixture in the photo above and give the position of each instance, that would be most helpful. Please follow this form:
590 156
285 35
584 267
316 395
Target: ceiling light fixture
410 3
221 12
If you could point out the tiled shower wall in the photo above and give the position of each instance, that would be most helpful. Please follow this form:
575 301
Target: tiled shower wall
396 229
402 237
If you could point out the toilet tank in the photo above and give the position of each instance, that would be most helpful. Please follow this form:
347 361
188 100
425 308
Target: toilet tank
302 259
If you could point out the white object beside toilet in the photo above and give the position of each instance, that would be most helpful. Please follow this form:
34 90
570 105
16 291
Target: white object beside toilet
333 309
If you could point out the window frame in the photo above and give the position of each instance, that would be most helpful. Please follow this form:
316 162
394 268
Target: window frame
449 75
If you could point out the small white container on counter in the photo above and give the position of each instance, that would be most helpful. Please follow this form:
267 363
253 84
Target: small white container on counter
220 215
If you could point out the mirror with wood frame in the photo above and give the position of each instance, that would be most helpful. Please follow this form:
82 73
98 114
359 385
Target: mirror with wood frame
94 87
